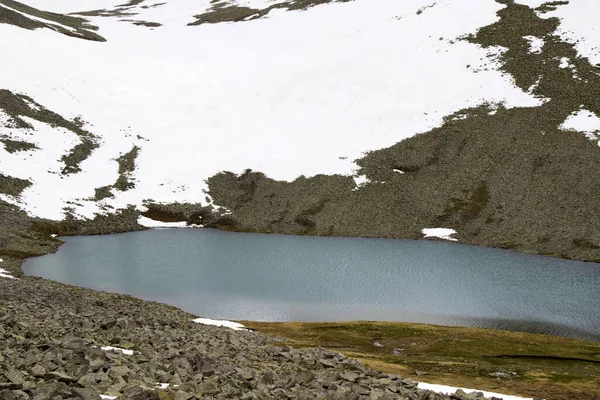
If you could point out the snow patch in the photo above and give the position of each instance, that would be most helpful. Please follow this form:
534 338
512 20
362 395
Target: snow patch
268 95
107 397
361 180
442 233
535 44
448 390
111 348
150 223
564 62
228 324
5 274
583 121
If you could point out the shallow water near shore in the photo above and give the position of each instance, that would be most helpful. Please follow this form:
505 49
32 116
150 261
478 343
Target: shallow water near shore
238 276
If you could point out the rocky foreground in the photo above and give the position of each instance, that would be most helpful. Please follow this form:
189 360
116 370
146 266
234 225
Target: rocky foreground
54 343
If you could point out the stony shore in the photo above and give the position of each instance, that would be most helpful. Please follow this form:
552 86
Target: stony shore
52 338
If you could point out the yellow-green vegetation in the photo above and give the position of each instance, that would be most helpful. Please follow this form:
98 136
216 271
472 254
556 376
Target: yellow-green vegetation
524 364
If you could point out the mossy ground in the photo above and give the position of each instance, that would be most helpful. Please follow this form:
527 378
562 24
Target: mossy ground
530 365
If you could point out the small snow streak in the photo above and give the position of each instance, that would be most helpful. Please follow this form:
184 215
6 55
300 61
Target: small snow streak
5 274
111 348
442 233
583 121
228 324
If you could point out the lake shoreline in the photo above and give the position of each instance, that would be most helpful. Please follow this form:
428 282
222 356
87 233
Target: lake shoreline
27 237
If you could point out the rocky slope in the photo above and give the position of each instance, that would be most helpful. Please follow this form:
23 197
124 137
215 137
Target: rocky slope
60 342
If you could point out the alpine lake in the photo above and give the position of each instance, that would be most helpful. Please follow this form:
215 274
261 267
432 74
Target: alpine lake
243 276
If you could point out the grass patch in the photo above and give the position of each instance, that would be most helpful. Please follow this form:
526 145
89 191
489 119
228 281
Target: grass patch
515 363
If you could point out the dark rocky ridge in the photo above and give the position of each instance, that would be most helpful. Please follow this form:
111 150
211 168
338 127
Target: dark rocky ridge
17 106
57 22
222 11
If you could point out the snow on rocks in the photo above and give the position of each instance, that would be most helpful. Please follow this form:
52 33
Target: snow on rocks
111 348
583 121
442 233
535 44
217 97
4 273
228 324
150 223
452 390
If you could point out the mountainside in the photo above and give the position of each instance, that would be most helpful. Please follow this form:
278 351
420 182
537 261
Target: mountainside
362 118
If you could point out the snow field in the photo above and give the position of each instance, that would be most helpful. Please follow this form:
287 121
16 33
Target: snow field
269 94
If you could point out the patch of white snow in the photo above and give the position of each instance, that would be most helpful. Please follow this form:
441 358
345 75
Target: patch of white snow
111 348
150 223
451 390
361 180
228 324
535 44
161 386
5 274
565 63
442 233
583 121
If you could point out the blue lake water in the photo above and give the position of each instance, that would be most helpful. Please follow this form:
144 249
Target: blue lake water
228 275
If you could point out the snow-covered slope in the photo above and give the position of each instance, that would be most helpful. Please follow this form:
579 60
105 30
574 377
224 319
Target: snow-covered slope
295 92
